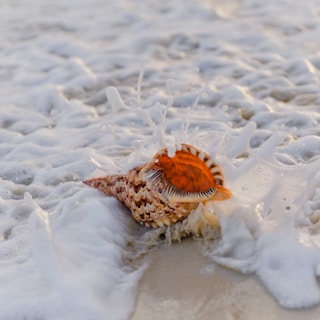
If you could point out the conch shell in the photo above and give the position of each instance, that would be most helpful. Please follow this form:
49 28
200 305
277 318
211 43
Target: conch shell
168 188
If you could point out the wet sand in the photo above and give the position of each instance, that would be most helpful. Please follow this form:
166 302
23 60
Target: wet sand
182 284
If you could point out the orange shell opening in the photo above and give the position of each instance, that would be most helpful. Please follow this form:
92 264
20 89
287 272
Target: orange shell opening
186 171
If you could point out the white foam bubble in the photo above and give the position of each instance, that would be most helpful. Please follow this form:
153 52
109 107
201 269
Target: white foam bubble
114 98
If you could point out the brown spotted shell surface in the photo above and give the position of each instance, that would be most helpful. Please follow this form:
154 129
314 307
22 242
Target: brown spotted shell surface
168 188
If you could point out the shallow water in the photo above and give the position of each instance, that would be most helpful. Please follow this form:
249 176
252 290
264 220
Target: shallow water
89 88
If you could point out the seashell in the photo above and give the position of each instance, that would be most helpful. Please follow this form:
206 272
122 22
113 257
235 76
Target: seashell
168 188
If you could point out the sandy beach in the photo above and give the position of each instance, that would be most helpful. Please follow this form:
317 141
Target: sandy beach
181 284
